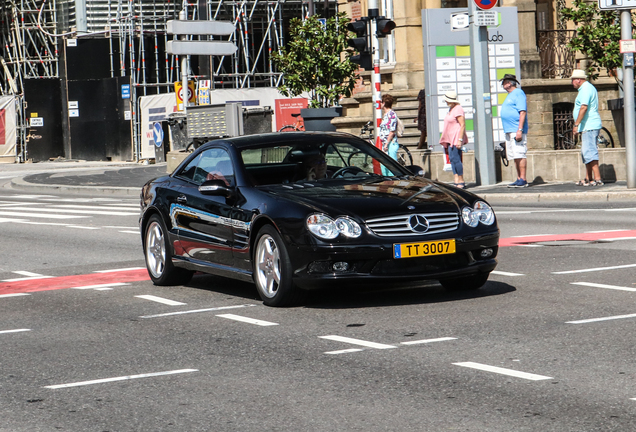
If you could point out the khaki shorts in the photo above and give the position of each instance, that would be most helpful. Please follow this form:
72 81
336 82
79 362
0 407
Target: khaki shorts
516 149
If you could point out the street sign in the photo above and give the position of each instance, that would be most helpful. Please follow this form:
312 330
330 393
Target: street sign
486 18
209 48
616 4
157 134
487 4
195 27
627 46
459 21
125 91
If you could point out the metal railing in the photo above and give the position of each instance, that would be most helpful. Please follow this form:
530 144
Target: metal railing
557 60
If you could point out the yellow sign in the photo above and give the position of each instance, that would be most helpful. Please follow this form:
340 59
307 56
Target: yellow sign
178 91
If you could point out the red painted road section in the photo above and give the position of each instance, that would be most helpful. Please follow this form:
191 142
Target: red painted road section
63 282
517 241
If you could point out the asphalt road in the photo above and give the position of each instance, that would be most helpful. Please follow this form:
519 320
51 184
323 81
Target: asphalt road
546 345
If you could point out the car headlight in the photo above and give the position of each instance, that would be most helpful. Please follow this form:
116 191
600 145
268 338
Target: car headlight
324 227
480 213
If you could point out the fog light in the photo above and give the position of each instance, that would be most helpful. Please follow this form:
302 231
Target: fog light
340 266
485 253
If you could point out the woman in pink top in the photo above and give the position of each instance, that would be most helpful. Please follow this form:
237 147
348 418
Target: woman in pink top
454 136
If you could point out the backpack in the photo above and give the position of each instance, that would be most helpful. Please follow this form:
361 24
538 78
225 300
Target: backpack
399 130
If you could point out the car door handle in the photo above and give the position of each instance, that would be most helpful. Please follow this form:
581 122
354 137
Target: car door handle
182 199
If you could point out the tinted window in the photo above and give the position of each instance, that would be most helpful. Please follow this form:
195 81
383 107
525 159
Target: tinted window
211 164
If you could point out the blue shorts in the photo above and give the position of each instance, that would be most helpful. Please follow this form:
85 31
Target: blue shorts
589 147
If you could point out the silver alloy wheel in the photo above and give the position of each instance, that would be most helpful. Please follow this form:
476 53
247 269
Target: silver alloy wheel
267 266
155 249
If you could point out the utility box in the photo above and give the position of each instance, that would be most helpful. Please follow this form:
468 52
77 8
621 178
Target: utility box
177 122
257 120
215 121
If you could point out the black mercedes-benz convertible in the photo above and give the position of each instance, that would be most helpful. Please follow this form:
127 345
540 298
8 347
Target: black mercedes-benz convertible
303 210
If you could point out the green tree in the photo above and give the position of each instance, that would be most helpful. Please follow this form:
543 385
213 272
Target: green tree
597 35
315 60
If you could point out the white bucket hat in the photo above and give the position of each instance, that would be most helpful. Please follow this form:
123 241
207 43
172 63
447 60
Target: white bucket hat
451 97
578 74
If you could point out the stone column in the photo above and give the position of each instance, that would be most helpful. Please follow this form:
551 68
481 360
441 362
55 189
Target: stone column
529 56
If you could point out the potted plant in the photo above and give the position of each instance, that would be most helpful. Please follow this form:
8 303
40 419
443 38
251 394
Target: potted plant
315 61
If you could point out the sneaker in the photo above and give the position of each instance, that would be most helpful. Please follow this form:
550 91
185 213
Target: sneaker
521 183
515 184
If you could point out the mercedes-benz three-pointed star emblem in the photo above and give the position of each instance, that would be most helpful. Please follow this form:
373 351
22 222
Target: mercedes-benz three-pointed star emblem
418 223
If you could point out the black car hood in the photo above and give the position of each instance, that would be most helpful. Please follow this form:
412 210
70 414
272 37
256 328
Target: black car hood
372 198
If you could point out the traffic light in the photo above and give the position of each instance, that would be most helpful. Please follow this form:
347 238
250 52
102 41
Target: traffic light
385 27
361 43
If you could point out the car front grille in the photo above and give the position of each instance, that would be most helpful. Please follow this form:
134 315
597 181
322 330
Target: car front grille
396 226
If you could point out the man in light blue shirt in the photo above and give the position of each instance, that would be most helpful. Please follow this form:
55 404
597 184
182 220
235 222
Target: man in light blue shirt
515 125
587 122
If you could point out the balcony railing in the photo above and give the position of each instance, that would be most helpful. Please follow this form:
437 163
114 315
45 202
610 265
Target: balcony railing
557 60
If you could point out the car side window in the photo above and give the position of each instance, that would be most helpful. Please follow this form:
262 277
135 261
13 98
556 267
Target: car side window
213 164
188 172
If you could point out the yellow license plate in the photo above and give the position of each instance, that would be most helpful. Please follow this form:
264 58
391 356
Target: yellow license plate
420 249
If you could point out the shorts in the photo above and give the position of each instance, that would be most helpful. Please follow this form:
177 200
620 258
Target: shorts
516 149
589 147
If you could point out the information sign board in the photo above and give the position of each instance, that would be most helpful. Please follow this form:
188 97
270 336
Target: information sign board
616 4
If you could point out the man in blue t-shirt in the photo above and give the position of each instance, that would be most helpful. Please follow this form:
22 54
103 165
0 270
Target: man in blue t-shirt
515 124
587 122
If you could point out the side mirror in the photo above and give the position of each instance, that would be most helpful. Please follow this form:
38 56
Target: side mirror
216 188
416 170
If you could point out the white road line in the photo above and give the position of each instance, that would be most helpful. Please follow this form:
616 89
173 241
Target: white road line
27 273
595 269
357 342
82 227
247 320
501 273
122 378
617 239
425 341
36 215
345 351
101 287
595 285
6 220
585 321
61 210
160 300
119 270
120 227
604 231
100 207
130 232
528 245
503 371
26 278
14 295
14 331
197 311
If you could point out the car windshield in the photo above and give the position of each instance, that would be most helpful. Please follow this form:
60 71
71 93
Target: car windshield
324 160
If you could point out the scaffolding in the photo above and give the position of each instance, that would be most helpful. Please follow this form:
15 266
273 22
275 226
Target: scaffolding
136 29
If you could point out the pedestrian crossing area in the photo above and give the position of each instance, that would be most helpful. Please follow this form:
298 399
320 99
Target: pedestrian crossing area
72 212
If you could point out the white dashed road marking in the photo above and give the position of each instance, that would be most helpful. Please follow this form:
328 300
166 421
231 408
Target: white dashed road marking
160 300
425 341
596 285
501 273
14 295
102 287
122 378
119 270
357 342
585 321
503 371
14 331
596 269
247 320
197 311
345 351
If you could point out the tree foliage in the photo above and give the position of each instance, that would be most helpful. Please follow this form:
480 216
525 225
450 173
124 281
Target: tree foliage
314 60
597 35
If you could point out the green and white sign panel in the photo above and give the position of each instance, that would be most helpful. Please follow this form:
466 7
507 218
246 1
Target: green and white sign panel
447 66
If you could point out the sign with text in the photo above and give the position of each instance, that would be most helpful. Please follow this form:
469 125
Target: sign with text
616 4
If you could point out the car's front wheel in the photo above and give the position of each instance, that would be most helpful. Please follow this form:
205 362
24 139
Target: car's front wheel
465 283
272 270
158 256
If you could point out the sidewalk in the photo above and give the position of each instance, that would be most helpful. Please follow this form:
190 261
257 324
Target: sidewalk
127 178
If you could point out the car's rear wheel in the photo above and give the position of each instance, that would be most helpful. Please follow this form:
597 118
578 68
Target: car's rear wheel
158 256
465 283
272 270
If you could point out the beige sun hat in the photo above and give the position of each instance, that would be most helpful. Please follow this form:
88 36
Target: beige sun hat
578 74
451 97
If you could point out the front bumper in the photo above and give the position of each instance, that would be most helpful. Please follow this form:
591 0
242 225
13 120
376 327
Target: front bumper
314 267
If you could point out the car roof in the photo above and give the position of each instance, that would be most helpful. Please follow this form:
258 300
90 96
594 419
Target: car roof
281 138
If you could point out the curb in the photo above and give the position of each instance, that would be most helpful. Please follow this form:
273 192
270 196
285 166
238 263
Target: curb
559 196
19 183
